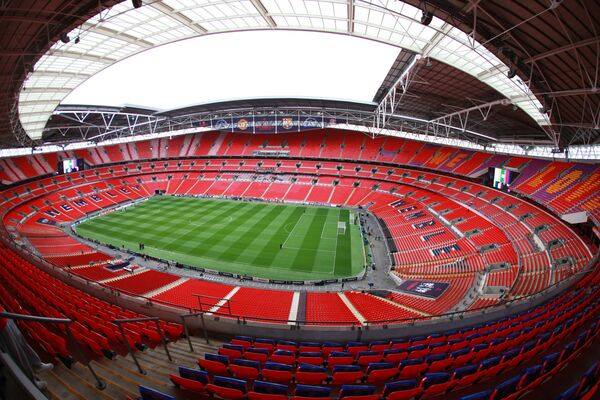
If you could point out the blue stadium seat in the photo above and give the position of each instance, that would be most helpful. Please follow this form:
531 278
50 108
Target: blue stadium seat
404 389
312 391
269 388
151 394
356 390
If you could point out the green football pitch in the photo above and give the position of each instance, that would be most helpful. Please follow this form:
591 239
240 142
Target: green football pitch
265 240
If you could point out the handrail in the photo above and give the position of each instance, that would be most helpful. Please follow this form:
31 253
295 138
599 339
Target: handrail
100 385
26 317
120 322
185 328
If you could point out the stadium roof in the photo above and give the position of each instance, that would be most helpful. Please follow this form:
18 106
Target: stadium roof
465 54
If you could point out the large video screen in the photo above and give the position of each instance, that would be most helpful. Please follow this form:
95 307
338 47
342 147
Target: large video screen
69 165
501 178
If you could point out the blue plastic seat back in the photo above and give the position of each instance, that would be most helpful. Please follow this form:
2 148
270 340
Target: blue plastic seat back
257 350
393 351
544 337
507 387
510 354
438 344
310 344
466 370
417 338
433 378
232 383
460 352
310 354
284 353
530 374
287 343
484 395
416 347
397 386
356 344
332 344
367 353
151 394
569 394
527 346
550 361
270 388
593 372
411 361
304 367
246 363
193 374
346 368
481 346
217 357
244 338
340 354
312 391
278 366
265 341
356 390
490 362
379 342
436 357
230 346
381 365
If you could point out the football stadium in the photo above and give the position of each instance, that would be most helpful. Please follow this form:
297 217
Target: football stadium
300 199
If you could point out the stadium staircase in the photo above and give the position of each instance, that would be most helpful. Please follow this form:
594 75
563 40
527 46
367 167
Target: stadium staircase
121 375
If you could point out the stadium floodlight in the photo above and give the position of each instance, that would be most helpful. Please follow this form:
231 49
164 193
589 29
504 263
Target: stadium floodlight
426 18
65 38
137 3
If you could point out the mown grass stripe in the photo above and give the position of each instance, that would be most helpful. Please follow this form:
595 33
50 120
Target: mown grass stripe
237 237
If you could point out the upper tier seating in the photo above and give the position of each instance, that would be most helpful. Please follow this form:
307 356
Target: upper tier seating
555 180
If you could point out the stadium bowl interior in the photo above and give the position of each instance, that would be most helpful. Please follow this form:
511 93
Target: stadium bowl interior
438 239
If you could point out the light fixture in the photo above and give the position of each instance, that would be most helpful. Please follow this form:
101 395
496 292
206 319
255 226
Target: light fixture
137 3
426 18
512 72
65 38
77 39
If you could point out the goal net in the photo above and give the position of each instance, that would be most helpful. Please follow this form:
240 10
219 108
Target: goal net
341 228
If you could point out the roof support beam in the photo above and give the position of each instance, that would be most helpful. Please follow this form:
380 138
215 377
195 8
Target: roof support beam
264 13
81 56
390 102
58 74
436 39
568 47
165 9
573 92
350 16
102 30
483 108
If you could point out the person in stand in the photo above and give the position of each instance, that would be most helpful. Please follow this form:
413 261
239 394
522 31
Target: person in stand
13 343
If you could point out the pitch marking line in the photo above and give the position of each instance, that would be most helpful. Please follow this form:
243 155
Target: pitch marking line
292 231
336 243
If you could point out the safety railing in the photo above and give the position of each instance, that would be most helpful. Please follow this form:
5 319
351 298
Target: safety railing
60 321
121 322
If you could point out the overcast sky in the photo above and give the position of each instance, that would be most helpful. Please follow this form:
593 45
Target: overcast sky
242 65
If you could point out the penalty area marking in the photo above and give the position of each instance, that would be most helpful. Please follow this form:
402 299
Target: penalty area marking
292 231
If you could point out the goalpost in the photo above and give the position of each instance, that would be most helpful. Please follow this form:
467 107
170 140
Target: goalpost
341 228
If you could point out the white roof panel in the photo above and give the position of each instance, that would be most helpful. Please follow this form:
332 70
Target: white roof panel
122 31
